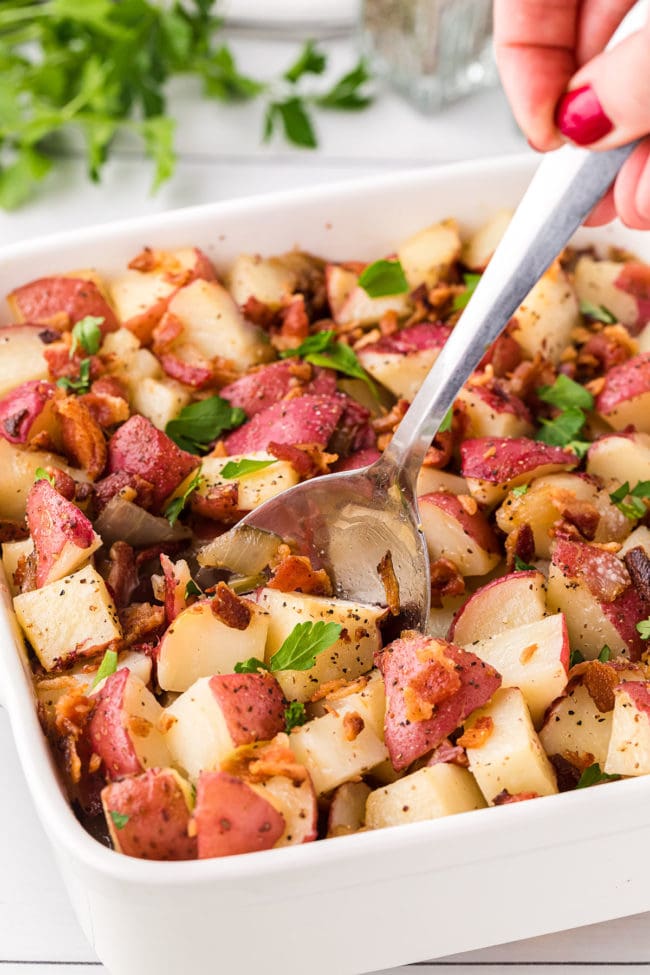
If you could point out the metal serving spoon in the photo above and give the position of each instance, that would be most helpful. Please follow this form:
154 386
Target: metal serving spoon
347 522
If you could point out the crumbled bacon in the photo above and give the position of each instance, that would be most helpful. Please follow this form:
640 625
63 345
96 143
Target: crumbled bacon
107 402
220 502
140 620
25 573
166 332
264 761
336 690
440 452
307 459
108 487
294 319
600 681
637 564
448 753
122 578
259 313
83 440
197 372
390 420
386 572
296 574
436 682
479 734
505 798
528 376
603 351
446 580
62 365
230 608
12 531
388 323
521 544
146 260
584 515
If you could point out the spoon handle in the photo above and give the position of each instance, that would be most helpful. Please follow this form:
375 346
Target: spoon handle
564 190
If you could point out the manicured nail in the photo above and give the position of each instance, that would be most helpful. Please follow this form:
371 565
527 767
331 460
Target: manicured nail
580 117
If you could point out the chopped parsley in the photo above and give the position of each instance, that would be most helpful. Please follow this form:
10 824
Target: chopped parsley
383 279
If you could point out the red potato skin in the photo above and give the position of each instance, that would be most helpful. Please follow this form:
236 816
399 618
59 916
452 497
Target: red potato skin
158 817
502 459
307 419
415 338
231 818
404 662
476 526
500 401
252 705
106 731
53 521
638 692
491 588
46 298
635 280
260 389
21 407
625 382
139 448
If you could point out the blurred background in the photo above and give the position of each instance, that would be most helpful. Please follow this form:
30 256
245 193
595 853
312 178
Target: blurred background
128 92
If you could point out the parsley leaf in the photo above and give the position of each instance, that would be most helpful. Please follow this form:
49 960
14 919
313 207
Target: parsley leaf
520 490
294 715
605 654
563 429
565 393
521 566
174 508
462 300
643 628
447 421
304 643
598 312
323 350
633 508
348 93
309 61
119 819
191 589
87 334
383 278
107 667
240 468
594 776
80 385
40 474
250 666
296 124
198 425
579 447
576 657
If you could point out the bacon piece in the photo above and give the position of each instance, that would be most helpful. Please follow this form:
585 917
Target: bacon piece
386 572
295 574
294 319
440 452
106 402
307 459
220 503
25 573
122 578
446 580
584 515
637 564
478 734
12 531
529 376
230 608
600 681
140 620
111 485
353 725
448 753
504 798
62 365
83 439
260 314
520 544
390 420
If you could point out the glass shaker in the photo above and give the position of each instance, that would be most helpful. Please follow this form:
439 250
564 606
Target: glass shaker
433 51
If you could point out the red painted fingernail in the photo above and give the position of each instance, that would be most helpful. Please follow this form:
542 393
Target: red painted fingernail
580 116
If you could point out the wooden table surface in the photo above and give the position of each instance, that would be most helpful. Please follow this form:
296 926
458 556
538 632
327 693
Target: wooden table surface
221 157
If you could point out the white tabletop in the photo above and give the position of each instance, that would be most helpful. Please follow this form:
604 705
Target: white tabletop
220 157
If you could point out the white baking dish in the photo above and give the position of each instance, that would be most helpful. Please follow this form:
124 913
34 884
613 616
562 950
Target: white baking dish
373 900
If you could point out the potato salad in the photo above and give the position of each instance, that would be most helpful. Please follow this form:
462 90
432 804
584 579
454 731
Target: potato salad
204 699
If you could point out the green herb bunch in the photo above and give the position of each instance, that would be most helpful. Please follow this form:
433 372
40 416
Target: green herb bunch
102 67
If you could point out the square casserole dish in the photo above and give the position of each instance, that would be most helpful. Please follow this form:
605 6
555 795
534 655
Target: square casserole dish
375 899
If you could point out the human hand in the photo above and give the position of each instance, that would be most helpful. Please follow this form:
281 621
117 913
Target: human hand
562 85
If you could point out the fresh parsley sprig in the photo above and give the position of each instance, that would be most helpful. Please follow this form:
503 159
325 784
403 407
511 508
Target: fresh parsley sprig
107 667
87 335
198 425
521 566
294 715
564 429
40 474
176 505
243 467
299 650
594 776
323 349
566 394
462 300
80 385
383 279
119 819
598 312
629 500
643 629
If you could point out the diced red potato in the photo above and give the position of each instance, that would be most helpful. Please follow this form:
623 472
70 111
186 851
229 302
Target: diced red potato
347 813
199 643
620 288
307 419
21 356
81 676
296 802
480 247
494 465
359 307
401 361
64 539
442 617
431 687
124 729
547 316
217 714
72 296
572 497
504 751
510 601
71 618
533 657
349 657
12 553
258 390
267 279
148 815
28 411
620 457
455 531
430 793
431 479
159 400
428 256
357 460
141 297
640 537
593 589
137 447
340 282
175 579
253 489
625 397
492 412
230 817
629 743
213 324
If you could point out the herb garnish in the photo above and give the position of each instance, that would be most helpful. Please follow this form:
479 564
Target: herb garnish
594 776
576 657
87 334
634 507
40 474
520 490
294 715
462 300
198 425
598 312
643 629
572 399
383 278
191 589
240 468
119 819
174 508
521 566
565 394
107 667
322 349
605 654
447 421
299 650
80 385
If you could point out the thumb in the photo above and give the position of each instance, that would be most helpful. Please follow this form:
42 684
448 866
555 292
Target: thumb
608 101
